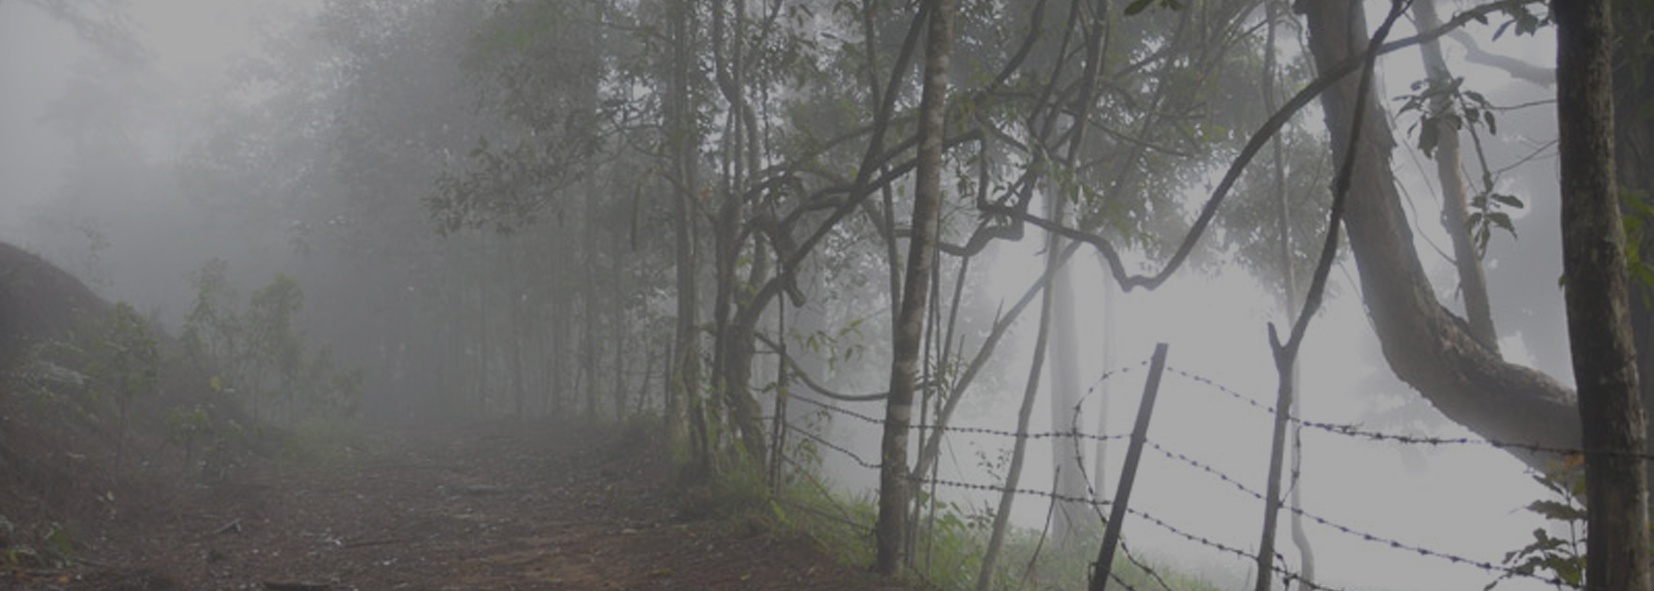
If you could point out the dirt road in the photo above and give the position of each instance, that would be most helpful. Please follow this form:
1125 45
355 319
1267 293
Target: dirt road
502 506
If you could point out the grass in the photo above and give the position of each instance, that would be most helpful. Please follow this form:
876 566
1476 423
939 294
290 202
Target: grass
948 553
330 440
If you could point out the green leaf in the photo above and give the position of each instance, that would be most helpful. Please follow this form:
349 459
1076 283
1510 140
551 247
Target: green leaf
1502 220
1557 510
1509 200
1429 136
1137 6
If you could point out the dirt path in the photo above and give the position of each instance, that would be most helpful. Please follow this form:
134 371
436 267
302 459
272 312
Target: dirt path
496 507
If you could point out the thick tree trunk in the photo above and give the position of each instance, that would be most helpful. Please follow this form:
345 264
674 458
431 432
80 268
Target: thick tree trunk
908 333
1593 261
740 345
1427 346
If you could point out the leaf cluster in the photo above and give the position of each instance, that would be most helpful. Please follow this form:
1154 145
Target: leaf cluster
1638 219
1560 557
256 352
1445 106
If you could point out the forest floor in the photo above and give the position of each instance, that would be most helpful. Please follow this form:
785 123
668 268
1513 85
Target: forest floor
493 506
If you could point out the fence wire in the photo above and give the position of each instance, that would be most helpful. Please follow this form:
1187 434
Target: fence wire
1279 560
1355 431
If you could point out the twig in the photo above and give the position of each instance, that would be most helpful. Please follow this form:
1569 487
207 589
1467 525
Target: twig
294 586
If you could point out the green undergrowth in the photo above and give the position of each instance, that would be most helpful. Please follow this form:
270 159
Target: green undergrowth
330 440
948 552
50 547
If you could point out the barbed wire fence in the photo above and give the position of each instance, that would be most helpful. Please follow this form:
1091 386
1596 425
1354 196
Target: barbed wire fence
1166 452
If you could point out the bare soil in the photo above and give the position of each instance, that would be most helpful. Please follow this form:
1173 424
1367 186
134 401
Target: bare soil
502 505
496 506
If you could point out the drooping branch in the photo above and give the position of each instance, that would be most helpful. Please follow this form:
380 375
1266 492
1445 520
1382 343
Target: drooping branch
1330 76
1518 69
1426 345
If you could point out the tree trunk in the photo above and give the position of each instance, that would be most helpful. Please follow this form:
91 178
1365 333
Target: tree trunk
1633 150
909 332
1426 346
1071 519
1013 474
1593 261
1472 283
682 142
617 324
519 379
590 345
739 348
1289 291
483 349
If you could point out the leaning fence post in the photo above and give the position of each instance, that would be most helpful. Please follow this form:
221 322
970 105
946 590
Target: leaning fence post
1117 513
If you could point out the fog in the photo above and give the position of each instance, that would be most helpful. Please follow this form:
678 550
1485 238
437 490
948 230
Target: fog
338 144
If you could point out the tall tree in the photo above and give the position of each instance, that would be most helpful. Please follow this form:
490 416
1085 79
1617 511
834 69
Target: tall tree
1599 329
907 335
682 143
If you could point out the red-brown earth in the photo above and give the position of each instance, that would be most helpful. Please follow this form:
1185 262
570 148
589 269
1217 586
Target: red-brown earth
490 505
501 505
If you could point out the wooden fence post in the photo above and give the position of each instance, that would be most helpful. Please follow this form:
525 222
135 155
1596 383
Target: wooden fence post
1139 434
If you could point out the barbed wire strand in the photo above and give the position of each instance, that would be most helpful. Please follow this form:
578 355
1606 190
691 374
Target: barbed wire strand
1288 575
958 429
1368 537
838 448
1352 430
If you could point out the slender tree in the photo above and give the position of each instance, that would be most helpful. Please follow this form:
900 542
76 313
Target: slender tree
1455 206
908 334
682 141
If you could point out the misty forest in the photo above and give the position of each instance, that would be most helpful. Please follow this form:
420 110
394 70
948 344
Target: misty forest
1137 295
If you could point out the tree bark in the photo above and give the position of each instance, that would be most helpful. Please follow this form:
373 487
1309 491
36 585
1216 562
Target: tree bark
1593 261
1426 346
1455 208
1071 519
1289 291
682 142
1633 150
1013 474
908 333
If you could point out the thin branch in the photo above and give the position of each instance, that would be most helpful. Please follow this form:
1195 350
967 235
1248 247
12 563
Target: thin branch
1259 138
